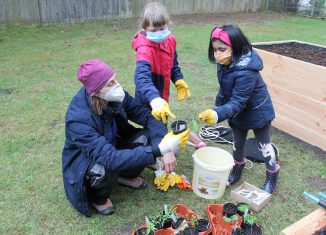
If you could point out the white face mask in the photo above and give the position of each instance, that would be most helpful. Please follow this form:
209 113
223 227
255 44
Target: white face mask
116 94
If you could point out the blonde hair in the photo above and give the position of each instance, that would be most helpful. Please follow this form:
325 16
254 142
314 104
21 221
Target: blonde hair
98 104
154 14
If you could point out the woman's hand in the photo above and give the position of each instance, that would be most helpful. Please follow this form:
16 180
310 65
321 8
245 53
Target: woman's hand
169 162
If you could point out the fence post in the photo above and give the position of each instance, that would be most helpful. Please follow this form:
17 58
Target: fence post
313 8
39 12
267 5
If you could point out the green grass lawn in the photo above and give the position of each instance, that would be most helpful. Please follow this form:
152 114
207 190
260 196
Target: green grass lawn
38 79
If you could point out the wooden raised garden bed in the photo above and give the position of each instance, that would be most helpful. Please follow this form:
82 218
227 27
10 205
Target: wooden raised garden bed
311 224
298 88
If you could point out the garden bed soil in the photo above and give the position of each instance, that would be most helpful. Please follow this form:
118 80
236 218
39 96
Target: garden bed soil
300 51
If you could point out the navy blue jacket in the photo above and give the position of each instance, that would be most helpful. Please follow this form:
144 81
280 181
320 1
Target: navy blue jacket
92 137
243 97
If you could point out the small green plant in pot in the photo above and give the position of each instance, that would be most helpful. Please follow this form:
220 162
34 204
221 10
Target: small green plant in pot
166 217
250 219
198 224
150 226
250 225
229 212
242 207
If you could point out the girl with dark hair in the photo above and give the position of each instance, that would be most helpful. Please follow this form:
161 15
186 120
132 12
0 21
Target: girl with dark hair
243 99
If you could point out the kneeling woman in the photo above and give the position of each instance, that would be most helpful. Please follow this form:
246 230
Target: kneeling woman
102 149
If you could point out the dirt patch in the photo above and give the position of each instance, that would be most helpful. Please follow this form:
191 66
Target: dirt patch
226 18
124 230
317 182
201 19
300 51
6 91
55 123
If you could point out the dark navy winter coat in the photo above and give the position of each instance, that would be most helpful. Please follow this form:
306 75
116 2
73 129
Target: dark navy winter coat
156 65
92 137
243 97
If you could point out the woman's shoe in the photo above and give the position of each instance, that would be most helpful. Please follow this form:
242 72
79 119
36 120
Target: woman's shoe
134 183
236 172
105 209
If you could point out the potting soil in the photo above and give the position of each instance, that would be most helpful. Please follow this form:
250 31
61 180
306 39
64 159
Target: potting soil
300 51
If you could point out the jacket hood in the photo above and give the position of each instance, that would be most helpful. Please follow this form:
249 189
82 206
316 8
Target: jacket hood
251 61
141 40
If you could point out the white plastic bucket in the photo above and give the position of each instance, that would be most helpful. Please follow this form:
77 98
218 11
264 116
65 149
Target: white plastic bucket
212 167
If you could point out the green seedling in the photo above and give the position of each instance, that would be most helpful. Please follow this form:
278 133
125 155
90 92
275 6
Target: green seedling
250 219
243 207
150 225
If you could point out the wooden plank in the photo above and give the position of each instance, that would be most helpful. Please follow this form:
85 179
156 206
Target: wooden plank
308 225
297 130
304 78
315 124
290 98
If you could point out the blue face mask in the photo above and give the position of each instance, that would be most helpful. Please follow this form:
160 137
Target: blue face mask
158 36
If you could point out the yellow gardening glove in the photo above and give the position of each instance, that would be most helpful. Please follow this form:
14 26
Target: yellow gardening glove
160 176
161 180
165 184
161 109
172 178
209 117
172 142
178 179
182 89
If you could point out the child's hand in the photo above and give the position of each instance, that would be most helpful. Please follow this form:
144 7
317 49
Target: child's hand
209 117
182 89
161 109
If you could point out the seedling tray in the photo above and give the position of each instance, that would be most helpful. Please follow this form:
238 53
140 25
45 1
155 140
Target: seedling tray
255 205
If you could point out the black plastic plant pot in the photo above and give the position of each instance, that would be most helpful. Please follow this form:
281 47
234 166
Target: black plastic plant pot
229 209
158 224
202 225
177 224
237 231
252 230
178 127
142 231
240 207
167 223
190 231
